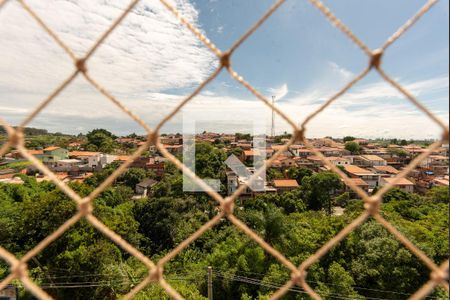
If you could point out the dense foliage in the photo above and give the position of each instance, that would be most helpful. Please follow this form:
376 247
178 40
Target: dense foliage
369 263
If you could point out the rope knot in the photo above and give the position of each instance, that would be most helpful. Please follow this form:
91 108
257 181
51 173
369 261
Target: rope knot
156 274
297 276
153 138
299 135
445 136
17 138
373 204
85 207
228 207
376 59
439 276
81 65
225 59
19 270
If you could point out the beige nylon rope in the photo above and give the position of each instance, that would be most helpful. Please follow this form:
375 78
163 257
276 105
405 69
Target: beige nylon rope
18 267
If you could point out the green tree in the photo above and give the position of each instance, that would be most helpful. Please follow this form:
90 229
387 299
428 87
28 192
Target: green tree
298 173
209 161
319 189
132 177
349 139
439 194
342 283
273 173
102 139
353 147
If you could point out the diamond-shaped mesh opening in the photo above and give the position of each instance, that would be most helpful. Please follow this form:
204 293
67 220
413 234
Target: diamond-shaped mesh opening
239 265
4 271
15 138
35 216
42 66
91 266
369 263
124 65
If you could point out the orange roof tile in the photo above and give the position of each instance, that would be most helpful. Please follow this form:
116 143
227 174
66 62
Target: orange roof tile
387 169
356 170
402 182
52 148
82 153
373 157
36 152
254 152
122 158
359 182
285 183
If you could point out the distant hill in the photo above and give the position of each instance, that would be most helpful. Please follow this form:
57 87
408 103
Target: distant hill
29 131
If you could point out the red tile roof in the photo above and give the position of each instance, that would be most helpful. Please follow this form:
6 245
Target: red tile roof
285 183
52 148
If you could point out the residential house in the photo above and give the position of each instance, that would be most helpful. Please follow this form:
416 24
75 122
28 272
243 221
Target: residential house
157 164
93 161
403 183
285 185
53 154
437 164
302 152
362 142
267 153
381 152
81 177
259 185
277 148
122 158
283 162
249 156
303 162
172 140
66 165
144 187
36 153
331 151
244 146
440 181
295 149
175 150
359 183
340 161
369 161
316 161
370 177
324 142
386 171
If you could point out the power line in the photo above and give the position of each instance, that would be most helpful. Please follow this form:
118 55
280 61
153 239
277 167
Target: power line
202 272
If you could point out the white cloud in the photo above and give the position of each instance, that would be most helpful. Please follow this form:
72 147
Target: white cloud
342 72
151 53
279 92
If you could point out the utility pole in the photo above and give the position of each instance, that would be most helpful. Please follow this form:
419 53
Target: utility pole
273 118
210 284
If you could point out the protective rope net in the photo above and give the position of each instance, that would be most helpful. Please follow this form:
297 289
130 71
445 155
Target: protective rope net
16 139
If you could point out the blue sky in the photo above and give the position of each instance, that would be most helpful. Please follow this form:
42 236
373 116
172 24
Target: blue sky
152 61
297 44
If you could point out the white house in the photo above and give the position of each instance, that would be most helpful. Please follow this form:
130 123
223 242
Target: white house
339 161
370 161
67 165
403 183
